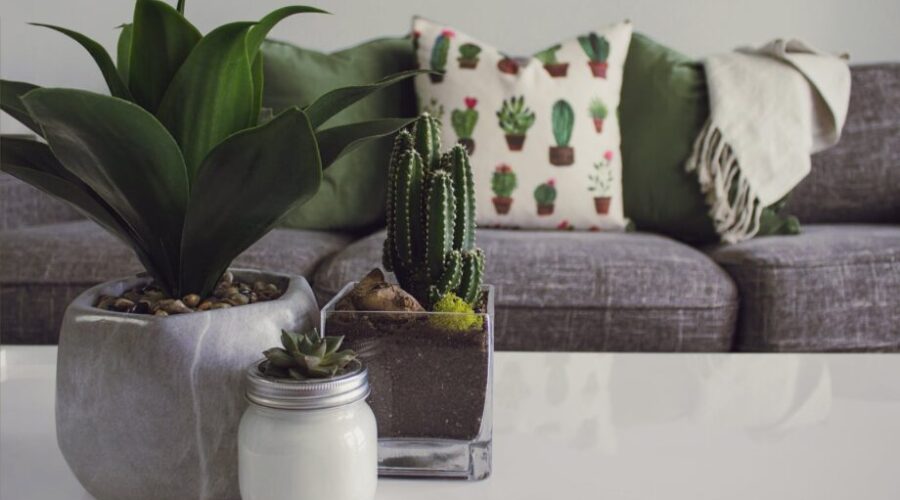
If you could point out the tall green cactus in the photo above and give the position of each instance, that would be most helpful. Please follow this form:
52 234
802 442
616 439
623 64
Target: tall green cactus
439 54
563 122
596 47
430 243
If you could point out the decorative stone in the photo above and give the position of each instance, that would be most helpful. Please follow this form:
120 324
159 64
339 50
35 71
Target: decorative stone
147 407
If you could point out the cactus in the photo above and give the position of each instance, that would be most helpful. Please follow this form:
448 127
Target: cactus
548 55
545 194
468 55
515 118
596 47
503 182
439 55
430 243
597 109
464 120
563 121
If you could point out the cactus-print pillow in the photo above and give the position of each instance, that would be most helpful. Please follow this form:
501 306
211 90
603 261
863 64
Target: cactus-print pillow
542 132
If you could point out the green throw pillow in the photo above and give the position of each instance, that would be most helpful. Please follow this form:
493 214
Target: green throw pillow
663 108
353 189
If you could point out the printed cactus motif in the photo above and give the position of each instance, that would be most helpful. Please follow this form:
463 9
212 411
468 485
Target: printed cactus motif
554 67
439 53
503 183
508 65
468 56
597 50
464 121
598 112
433 108
430 243
545 197
563 118
601 183
515 119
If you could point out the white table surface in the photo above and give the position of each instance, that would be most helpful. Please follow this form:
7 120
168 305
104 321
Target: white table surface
601 426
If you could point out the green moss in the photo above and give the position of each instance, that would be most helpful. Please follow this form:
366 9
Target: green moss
450 303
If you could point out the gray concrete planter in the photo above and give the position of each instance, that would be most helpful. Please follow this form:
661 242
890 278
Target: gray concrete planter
148 407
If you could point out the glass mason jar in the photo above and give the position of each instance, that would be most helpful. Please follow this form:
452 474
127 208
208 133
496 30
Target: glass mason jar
308 439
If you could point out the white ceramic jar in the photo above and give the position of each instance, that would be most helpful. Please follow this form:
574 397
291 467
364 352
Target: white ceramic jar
308 440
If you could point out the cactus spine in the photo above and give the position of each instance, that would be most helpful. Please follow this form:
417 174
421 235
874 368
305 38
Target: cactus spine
430 243
563 120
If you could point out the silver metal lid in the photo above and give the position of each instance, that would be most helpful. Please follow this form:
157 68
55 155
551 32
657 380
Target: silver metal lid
310 394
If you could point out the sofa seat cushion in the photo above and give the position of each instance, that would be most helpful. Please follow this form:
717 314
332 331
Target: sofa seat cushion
833 287
586 291
43 268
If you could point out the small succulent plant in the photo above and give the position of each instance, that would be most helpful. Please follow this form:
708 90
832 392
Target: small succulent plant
503 182
305 356
468 55
515 118
548 55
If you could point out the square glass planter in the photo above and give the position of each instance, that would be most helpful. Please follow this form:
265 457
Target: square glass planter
431 379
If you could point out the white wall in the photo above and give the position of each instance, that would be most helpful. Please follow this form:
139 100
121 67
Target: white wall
867 29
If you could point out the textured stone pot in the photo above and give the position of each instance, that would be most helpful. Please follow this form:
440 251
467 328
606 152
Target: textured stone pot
148 407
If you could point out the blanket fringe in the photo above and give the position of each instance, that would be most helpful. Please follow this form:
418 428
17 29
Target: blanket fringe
734 206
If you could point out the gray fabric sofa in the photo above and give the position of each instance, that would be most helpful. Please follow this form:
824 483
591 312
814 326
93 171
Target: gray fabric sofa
835 287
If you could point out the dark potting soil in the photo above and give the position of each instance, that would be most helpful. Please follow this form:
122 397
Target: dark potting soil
427 381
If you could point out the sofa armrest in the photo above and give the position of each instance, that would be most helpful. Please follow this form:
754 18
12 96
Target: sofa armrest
22 205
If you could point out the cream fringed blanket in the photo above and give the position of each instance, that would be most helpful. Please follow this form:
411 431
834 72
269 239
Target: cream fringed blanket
770 109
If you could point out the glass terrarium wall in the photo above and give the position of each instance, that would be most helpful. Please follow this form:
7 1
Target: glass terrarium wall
431 379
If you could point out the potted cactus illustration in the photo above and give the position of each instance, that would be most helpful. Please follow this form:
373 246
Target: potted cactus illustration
551 64
439 55
602 183
545 196
508 65
468 56
463 121
515 120
563 120
597 50
598 111
433 108
503 183
564 225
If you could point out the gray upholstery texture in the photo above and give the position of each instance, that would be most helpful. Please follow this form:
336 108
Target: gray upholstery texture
858 180
585 291
833 287
22 205
43 268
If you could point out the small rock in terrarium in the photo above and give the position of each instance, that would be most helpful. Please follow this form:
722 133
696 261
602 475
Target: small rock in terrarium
150 299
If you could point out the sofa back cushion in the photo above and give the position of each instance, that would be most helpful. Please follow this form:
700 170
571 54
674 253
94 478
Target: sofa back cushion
858 180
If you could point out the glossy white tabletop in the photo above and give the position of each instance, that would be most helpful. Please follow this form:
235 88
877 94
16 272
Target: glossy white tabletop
601 426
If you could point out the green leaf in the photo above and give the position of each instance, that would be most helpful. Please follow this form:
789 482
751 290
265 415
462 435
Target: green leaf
180 7
128 159
211 96
335 101
34 163
245 185
116 86
290 341
11 101
335 142
333 344
279 357
261 29
254 40
161 43
258 83
123 51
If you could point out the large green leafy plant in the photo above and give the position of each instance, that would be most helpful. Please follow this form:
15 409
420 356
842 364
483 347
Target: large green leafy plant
177 162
